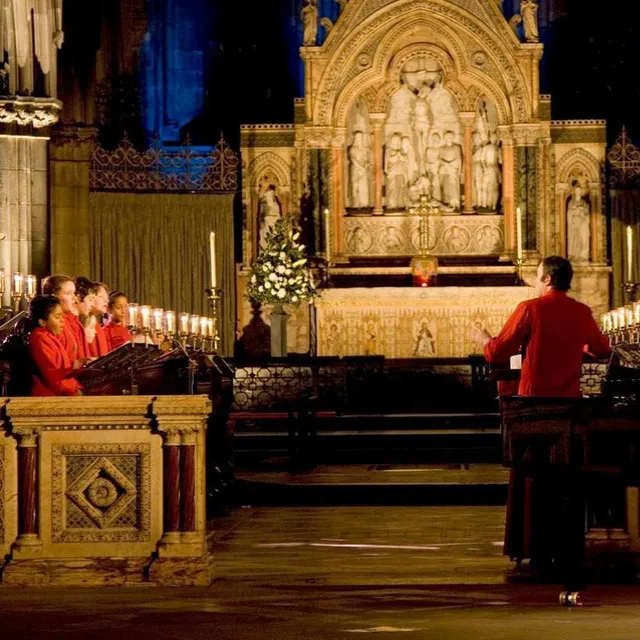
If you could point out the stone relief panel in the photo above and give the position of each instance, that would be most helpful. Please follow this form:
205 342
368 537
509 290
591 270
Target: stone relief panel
422 151
101 492
413 322
486 158
400 235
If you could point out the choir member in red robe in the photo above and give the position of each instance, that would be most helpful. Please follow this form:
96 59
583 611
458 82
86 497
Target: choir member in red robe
100 345
73 339
552 332
115 330
53 371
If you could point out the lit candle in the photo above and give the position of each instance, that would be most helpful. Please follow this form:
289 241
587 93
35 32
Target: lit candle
629 318
210 325
629 253
32 285
327 236
132 312
636 312
170 320
212 251
2 283
17 281
145 314
519 234
603 323
158 316
204 327
184 323
194 324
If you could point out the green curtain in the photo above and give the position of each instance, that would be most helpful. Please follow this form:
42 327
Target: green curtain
155 248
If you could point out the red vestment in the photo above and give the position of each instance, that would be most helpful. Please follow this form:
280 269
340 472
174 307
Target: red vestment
54 375
100 345
74 339
554 331
116 334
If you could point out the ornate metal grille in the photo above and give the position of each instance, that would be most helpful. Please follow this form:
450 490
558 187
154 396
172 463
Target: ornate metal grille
156 169
624 162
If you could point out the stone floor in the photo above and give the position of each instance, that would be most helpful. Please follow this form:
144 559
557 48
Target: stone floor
335 572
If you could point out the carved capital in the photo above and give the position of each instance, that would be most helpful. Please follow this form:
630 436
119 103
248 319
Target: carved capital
27 436
29 112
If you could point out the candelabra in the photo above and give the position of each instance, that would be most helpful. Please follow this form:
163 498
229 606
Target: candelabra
215 300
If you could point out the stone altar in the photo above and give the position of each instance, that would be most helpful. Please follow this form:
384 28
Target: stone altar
407 323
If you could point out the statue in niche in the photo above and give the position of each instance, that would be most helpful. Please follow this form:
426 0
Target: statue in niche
359 166
412 167
578 225
444 112
492 174
477 169
269 212
434 165
421 124
309 17
450 171
425 343
482 123
529 13
396 172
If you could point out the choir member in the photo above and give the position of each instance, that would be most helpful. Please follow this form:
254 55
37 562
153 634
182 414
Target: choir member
552 332
53 370
100 346
73 339
116 330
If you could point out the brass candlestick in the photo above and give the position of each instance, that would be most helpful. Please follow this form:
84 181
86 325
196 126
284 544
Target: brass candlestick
215 299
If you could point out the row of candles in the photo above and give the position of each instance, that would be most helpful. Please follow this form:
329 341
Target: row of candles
622 324
146 319
21 285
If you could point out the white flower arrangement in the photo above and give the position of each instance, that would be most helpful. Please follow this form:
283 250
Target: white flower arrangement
280 274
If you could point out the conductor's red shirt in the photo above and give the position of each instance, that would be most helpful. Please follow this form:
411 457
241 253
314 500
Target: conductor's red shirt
554 331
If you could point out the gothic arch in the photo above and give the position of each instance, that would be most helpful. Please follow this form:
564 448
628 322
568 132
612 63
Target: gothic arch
269 161
577 159
387 25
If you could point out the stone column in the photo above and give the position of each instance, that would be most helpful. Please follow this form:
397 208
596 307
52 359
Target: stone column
508 196
337 204
467 120
71 149
188 438
171 487
377 121
561 204
596 254
28 542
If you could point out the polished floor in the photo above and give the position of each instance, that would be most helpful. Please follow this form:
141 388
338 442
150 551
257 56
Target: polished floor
335 572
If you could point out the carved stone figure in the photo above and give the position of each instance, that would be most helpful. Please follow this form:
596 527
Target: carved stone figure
31 33
477 169
529 13
412 166
444 112
270 213
450 170
359 166
433 165
425 345
578 226
492 174
309 17
396 172
421 125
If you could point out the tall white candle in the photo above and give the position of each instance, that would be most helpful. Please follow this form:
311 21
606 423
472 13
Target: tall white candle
327 236
519 234
212 256
629 253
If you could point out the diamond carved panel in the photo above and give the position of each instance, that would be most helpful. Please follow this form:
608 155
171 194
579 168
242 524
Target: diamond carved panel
101 492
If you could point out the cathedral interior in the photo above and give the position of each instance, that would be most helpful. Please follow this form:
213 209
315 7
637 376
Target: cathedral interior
309 209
